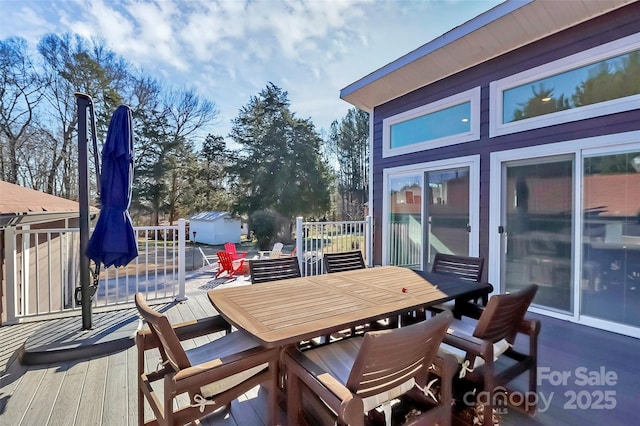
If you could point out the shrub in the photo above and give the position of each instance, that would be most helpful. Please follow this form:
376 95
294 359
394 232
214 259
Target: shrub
263 225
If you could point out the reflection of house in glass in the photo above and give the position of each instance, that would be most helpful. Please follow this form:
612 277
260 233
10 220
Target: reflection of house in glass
539 176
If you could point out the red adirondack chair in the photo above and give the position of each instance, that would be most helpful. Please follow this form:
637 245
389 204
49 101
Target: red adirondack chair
235 255
226 264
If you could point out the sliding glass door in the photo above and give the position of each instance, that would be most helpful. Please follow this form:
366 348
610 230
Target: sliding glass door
431 208
567 217
537 227
610 286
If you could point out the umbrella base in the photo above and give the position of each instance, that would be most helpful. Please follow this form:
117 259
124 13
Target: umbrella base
63 339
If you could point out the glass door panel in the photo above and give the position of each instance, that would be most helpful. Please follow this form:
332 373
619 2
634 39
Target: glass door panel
537 229
405 220
448 212
610 286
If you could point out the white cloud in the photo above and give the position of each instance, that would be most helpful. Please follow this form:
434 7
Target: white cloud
229 49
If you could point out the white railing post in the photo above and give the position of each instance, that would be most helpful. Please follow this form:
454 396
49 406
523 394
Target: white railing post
10 254
299 237
181 260
368 238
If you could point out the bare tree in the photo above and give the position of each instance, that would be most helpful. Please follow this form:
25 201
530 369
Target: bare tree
20 87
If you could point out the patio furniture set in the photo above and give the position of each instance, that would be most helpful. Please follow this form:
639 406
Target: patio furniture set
378 348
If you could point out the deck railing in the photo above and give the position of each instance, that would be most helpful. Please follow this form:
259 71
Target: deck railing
43 265
42 276
313 239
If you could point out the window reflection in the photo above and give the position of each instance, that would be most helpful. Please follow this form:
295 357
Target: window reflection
405 224
539 205
602 81
611 238
446 122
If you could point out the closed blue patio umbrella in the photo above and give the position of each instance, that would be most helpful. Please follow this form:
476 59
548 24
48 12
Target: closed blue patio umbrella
113 241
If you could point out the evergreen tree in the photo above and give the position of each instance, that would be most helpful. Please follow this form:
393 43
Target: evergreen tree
278 166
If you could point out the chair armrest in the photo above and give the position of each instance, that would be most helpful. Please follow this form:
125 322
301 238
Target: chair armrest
221 368
530 327
187 330
340 399
470 344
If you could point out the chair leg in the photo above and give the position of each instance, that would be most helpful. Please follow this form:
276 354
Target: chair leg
276 372
293 399
140 384
489 387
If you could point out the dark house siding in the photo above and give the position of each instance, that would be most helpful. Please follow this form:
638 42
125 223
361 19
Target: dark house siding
615 25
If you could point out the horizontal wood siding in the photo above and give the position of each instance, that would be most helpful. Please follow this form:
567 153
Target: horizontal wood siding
607 28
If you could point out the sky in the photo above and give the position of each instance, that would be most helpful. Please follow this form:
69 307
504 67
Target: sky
229 50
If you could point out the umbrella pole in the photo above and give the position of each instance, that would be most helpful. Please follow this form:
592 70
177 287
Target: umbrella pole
83 103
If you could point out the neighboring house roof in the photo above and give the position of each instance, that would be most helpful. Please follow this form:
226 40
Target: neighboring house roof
20 204
504 28
209 216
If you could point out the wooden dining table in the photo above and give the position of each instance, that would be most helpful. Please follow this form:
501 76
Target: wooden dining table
280 313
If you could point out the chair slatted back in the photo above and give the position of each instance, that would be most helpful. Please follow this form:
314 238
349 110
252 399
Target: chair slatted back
343 261
276 251
465 267
389 358
233 251
170 348
502 316
263 270
225 260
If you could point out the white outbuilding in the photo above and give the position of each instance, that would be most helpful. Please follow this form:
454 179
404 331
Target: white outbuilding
214 228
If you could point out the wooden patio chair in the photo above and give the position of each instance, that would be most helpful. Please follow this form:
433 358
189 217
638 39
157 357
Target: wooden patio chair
209 261
340 262
263 270
354 376
343 261
235 254
464 267
213 374
275 252
478 349
226 264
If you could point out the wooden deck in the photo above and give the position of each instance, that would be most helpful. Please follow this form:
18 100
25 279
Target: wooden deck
102 390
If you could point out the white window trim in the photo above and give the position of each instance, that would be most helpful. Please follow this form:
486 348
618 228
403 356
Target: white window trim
596 54
472 96
471 161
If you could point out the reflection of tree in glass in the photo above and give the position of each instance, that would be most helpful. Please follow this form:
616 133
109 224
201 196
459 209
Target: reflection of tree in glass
542 102
614 78
610 164
610 80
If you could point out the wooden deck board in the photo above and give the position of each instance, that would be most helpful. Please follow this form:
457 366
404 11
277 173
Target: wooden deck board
48 390
116 406
22 394
68 399
93 393
103 391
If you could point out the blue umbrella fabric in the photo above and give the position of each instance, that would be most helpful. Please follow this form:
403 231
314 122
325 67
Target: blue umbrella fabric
113 241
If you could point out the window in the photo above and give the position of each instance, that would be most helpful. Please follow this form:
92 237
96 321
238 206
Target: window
599 81
430 208
449 121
